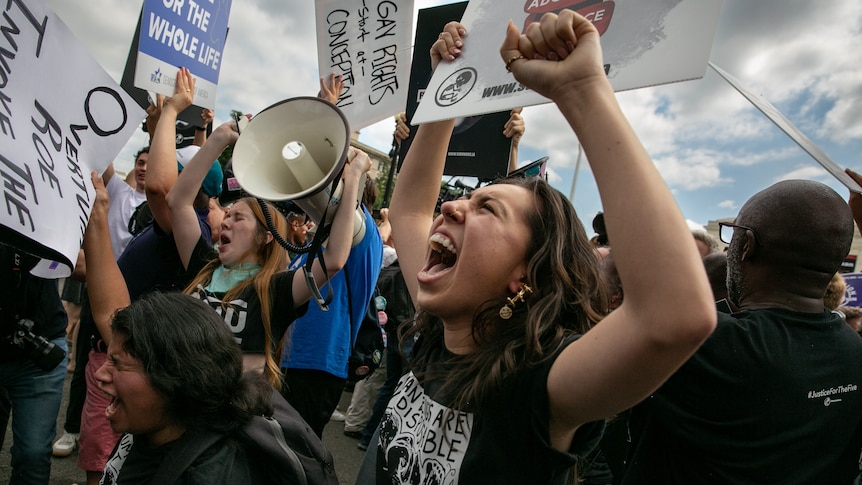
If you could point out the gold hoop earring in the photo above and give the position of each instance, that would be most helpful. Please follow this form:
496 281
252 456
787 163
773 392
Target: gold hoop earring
508 309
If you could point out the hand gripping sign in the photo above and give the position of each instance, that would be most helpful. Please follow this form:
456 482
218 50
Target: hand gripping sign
649 42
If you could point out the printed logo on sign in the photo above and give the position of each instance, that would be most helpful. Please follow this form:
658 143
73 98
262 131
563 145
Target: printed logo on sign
598 12
456 87
156 76
849 296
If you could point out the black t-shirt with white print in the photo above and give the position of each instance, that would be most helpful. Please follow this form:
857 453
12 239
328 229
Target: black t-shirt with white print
425 441
243 315
772 396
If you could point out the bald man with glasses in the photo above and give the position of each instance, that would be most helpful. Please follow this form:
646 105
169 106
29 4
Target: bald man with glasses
775 394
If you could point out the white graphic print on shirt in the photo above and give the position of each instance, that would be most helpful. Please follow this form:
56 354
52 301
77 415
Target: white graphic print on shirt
235 316
423 441
115 463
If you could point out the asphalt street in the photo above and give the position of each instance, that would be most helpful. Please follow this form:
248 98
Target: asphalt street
64 471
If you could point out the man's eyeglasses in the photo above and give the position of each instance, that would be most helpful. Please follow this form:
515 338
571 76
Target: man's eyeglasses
726 230
296 220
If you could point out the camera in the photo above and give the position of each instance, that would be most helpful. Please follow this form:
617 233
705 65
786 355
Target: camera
43 353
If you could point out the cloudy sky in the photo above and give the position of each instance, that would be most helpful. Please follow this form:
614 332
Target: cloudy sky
712 146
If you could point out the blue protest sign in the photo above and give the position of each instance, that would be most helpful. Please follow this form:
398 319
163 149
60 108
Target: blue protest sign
182 33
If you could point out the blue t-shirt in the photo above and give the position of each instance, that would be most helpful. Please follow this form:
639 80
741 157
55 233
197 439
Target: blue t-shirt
323 340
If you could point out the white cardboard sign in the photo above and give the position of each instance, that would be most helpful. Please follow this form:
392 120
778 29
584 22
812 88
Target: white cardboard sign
61 117
368 42
644 43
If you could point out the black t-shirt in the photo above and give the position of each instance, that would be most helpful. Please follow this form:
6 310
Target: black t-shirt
151 260
135 463
425 441
773 396
26 297
243 315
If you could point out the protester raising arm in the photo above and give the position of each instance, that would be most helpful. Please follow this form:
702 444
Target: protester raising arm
340 238
106 287
181 198
162 164
187 234
201 132
330 87
661 322
631 352
514 129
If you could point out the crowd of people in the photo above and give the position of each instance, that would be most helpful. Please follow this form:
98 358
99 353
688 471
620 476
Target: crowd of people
520 350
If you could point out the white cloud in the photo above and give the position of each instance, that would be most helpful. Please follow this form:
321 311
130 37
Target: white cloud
691 170
728 204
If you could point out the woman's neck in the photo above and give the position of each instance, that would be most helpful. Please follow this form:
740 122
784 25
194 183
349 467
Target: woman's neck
458 337
242 266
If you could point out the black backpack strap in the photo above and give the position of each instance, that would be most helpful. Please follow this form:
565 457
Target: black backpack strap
180 458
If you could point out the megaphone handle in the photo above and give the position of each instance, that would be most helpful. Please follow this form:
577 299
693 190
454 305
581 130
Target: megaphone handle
236 116
315 291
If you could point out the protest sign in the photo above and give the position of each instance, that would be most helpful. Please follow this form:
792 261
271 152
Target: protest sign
644 43
368 43
478 147
61 117
187 120
853 293
790 129
182 33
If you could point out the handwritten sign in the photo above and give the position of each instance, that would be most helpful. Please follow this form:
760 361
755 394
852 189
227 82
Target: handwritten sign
368 43
182 33
61 116
644 43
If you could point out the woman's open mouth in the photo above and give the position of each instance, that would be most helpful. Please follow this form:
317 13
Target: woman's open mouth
443 254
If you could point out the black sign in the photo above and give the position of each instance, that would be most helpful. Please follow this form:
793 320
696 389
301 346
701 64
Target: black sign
478 147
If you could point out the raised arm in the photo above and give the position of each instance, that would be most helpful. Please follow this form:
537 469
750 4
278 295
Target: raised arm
108 174
162 164
330 87
341 234
385 227
411 211
201 132
514 129
106 287
181 198
855 201
154 111
402 130
662 320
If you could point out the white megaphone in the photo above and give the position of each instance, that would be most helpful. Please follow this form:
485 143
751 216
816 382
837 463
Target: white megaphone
294 150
